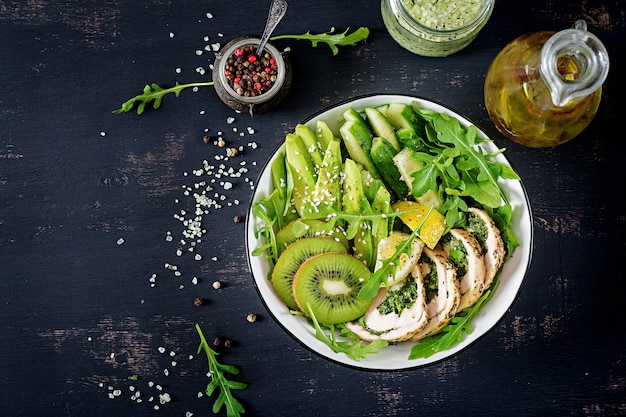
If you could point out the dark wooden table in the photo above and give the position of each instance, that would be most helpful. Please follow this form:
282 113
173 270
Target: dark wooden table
92 202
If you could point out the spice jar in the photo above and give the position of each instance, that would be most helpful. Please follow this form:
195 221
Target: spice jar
245 82
435 28
545 87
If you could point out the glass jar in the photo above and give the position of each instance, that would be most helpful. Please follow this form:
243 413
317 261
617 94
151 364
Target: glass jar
237 98
544 88
435 27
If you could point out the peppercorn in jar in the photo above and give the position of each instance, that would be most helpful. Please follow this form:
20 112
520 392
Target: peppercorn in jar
248 74
246 81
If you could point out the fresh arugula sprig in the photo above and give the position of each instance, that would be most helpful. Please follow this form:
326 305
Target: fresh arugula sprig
268 211
456 166
331 38
453 332
354 347
220 381
154 93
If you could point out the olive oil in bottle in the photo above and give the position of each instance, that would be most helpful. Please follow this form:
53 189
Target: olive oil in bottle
544 88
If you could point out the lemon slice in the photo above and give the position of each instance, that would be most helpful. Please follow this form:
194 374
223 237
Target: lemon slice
432 224
407 260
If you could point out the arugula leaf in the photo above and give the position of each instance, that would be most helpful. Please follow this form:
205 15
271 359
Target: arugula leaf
332 39
479 174
155 93
219 381
453 332
462 172
354 349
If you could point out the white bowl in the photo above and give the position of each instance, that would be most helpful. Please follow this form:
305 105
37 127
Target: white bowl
395 357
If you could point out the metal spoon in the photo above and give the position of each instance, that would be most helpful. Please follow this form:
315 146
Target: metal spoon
278 9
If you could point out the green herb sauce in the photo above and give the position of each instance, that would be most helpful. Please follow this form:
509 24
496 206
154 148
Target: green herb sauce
431 282
458 256
399 299
477 227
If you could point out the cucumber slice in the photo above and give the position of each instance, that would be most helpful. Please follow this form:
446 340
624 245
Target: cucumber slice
382 154
407 164
381 126
358 140
402 116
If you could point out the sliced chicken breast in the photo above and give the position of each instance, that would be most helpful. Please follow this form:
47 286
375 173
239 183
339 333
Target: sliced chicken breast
484 229
396 313
465 253
437 271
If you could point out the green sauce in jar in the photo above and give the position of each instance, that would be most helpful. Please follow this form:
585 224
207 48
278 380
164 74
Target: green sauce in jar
435 27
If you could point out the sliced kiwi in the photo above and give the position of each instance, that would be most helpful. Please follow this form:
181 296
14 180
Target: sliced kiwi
307 228
291 259
329 283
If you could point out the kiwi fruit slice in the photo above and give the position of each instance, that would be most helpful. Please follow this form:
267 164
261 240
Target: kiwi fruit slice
329 283
291 259
300 228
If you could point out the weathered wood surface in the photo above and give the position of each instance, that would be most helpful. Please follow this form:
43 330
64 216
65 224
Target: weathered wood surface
79 314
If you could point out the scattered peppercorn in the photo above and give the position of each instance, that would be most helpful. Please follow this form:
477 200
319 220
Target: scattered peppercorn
238 218
232 152
251 317
228 343
217 285
206 139
221 142
198 302
216 342
248 74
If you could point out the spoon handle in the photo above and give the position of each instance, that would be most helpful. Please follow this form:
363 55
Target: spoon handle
277 11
